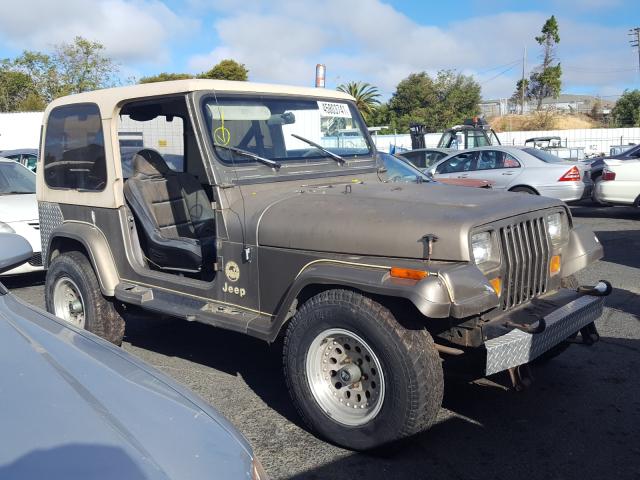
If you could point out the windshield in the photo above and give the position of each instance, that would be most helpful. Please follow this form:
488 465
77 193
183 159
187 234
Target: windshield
543 155
399 170
284 130
14 178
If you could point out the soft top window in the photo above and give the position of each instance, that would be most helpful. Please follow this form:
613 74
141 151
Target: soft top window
74 156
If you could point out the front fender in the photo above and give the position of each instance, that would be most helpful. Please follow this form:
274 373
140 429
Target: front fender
449 290
97 248
583 249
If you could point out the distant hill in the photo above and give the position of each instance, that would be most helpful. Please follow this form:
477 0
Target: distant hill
543 120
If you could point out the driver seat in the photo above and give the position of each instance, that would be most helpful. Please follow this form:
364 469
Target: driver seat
174 213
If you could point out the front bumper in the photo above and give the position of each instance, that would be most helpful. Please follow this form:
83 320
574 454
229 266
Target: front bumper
518 347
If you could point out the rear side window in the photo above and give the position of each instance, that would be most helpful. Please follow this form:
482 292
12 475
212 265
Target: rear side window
459 163
74 155
417 158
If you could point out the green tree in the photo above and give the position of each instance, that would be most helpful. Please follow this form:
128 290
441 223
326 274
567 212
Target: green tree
82 65
382 115
165 77
522 87
15 89
545 81
437 102
626 112
227 70
73 67
366 95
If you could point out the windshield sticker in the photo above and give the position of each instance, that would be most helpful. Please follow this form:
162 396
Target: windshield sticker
221 135
330 109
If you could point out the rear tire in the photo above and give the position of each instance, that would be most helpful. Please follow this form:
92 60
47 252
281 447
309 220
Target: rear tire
528 190
399 386
72 293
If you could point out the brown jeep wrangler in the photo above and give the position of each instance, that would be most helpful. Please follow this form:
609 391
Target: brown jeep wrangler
265 210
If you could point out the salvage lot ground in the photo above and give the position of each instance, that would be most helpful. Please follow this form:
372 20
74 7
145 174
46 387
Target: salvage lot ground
580 419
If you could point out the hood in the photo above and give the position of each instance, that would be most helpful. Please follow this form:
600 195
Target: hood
77 407
389 220
18 207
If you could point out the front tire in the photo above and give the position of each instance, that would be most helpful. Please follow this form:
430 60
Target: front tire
356 376
72 293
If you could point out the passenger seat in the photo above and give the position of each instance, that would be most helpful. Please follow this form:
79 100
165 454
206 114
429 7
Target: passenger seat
174 212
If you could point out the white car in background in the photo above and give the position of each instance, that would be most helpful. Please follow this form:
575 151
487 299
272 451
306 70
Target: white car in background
519 169
19 210
620 183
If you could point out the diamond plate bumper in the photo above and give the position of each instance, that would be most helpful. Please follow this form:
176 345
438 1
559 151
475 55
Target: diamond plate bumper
518 347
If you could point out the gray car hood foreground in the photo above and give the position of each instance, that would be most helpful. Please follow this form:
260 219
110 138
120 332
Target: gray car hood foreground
389 220
73 406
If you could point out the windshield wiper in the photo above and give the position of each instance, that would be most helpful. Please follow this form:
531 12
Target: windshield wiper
336 157
15 192
239 151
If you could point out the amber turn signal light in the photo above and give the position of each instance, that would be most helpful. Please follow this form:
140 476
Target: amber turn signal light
398 272
554 265
496 283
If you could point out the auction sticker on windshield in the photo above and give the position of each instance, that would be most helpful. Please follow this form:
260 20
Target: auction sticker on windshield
330 109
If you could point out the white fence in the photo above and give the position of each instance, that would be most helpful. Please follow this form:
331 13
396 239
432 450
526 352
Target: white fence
593 140
22 130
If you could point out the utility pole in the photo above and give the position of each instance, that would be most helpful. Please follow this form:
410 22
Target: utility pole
524 59
635 42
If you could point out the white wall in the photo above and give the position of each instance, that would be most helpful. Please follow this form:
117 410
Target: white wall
593 140
20 130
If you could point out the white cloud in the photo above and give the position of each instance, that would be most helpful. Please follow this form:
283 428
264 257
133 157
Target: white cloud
371 41
130 30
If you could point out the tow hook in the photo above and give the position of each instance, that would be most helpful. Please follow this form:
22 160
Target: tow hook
589 334
521 377
600 289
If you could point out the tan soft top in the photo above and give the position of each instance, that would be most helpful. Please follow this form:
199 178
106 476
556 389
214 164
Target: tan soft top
109 98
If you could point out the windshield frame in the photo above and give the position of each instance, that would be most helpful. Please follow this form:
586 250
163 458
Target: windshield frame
317 166
25 171
543 155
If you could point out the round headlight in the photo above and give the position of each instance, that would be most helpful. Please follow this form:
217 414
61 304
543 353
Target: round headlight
481 247
554 227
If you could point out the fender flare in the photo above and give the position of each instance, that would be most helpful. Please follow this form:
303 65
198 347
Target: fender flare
430 295
95 243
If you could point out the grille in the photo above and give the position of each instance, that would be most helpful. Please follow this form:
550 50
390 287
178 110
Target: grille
525 251
36 260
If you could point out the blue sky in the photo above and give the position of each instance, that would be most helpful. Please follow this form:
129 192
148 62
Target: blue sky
369 40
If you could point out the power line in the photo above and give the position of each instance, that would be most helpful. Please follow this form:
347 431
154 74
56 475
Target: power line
501 73
482 72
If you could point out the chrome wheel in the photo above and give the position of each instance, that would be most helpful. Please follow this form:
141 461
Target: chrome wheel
67 302
345 377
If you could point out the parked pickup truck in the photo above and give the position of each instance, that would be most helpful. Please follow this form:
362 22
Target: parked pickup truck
270 222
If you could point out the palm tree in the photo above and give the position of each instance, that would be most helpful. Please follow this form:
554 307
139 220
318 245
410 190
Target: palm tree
366 95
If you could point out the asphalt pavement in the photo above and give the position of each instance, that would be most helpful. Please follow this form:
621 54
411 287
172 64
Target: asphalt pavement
580 418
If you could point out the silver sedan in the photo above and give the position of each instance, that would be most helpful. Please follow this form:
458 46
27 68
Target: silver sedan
77 407
518 169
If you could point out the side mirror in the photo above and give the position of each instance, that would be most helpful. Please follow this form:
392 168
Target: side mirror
14 251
